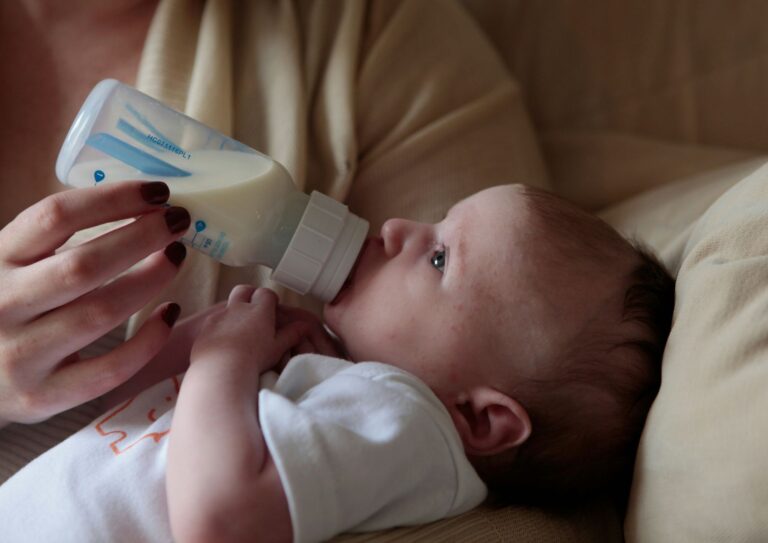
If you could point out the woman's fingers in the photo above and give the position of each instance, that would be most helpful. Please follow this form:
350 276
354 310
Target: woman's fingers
87 379
71 327
61 278
42 228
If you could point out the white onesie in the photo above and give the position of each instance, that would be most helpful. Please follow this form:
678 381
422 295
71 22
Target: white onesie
359 447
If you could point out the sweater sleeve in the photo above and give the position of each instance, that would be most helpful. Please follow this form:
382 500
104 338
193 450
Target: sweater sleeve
368 447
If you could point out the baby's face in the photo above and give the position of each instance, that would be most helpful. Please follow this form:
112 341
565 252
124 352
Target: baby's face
432 298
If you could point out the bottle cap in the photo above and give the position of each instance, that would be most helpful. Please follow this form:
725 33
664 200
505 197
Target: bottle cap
323 249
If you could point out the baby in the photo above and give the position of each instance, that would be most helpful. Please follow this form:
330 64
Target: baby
514 345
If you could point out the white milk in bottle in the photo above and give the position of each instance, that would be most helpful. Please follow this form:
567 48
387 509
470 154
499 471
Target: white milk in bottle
244 206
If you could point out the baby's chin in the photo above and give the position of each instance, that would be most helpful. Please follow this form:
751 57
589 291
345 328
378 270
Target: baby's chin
330 324
345 334
329 316
333 313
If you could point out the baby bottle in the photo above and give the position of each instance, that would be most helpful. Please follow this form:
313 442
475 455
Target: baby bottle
244 206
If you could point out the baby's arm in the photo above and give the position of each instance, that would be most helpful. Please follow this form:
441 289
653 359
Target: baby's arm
222 482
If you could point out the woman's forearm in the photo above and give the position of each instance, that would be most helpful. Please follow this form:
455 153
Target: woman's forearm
172 359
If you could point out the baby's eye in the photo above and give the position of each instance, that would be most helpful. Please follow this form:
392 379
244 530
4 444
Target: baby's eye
438 259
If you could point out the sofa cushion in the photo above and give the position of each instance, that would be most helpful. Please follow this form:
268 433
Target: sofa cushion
702 473
664 217
588 523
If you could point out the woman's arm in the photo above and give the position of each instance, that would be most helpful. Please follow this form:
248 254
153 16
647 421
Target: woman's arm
222 483
171 360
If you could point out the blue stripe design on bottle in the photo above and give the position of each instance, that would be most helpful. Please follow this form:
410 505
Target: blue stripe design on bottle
153 142
143 120
133 156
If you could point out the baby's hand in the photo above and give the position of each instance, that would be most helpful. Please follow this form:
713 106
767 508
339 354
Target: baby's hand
317 339
246 333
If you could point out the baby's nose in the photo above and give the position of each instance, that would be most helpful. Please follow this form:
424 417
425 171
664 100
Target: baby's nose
394 233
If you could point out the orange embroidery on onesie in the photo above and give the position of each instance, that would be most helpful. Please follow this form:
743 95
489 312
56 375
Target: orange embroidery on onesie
116 425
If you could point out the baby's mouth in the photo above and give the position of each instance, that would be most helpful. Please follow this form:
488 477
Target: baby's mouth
350 277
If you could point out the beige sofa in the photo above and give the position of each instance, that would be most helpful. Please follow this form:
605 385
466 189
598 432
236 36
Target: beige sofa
650 113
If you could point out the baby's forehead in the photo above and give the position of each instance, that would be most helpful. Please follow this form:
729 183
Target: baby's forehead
531 248
503 225
538 270
519 230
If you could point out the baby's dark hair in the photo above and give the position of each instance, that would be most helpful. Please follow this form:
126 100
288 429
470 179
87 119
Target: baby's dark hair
588 409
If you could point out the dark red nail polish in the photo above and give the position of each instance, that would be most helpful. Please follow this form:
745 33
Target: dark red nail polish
177 219
155 192
170 314
175 252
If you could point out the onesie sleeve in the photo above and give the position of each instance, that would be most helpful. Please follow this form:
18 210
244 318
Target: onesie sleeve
369 447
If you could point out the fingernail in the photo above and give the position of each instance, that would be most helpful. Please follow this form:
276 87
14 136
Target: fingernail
155 192
170 314
175 252
177 219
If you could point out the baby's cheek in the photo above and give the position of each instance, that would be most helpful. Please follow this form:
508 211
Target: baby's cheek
391 332
380 341
457 328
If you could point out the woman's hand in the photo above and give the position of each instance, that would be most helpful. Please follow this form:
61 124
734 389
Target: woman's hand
55 301
245 335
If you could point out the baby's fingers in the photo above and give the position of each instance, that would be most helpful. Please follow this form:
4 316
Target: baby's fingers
289 337
265 296
241 293
317 339
286 314
262 303
250 294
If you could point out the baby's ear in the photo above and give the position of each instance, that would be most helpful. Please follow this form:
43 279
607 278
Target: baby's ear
489 421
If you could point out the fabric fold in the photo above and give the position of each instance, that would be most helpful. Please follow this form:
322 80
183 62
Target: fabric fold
326 88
